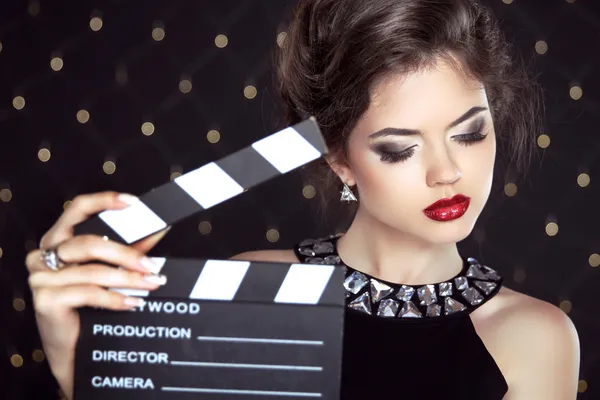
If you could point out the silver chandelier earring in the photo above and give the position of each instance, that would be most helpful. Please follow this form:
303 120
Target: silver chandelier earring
347 194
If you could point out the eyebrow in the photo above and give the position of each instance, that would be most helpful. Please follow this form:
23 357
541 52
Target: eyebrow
409 132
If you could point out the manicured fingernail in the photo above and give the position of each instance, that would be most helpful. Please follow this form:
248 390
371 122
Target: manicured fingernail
134 301
128 198
156 279
148 264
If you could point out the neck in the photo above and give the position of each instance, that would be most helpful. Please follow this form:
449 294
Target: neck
380 250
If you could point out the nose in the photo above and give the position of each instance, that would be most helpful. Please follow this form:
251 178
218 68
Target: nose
442 170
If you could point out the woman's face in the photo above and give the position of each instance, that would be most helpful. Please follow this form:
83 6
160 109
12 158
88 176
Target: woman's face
425 137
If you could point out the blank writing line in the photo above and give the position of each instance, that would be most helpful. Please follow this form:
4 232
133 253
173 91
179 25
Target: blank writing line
260 340
256 366
232 391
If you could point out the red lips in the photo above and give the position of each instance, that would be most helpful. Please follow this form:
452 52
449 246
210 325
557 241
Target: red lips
448 209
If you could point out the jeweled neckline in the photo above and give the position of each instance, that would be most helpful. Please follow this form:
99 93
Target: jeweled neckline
469 289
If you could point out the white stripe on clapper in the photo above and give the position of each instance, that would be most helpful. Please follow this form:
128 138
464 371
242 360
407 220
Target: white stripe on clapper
134 222
219 280
304 284
246 392
247 366
209 185
286 150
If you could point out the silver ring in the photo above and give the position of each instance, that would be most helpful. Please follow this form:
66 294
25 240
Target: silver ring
51 259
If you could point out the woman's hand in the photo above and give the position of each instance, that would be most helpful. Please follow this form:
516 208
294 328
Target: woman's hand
58 293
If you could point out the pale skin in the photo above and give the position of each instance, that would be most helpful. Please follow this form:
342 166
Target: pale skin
533 342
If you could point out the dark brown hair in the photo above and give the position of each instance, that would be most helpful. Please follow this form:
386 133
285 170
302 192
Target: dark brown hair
337 51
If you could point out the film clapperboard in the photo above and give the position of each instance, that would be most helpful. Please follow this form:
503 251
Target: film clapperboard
219 329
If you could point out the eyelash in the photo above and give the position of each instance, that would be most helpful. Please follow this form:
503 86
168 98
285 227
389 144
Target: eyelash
467 139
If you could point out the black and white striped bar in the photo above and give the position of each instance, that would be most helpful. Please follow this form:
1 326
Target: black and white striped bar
211 184
253 281
219 330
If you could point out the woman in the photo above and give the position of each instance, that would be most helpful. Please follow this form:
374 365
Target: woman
412 97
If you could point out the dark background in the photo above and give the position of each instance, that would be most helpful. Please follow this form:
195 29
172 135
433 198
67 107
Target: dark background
122 76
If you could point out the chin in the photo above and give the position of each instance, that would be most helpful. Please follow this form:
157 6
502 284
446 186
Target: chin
449 232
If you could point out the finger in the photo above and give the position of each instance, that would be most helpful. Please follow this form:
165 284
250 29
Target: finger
148 243
83 207
54 300
85 248
96 274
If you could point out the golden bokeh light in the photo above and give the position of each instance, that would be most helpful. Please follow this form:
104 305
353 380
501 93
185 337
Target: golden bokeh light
507 1
44 154
583 180
566 306
582 384
147 128
16 360
5 195
96 24
250 92
66 204
109 167
0 47
510 189
19 102
309 191
185 86
19 304
272 235
33 8
204 227
221 41
594 260
541 47
543 141
213 136
1 252
83 116
121 75
176 172
551 229
576 92
158 34
38 355
57 64
281 36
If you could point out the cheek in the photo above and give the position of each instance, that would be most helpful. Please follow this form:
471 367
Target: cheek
385 184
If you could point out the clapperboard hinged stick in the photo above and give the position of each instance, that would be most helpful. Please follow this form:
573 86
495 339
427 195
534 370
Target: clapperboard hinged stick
219 329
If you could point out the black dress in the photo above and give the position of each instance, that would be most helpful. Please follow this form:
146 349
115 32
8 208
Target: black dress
404 342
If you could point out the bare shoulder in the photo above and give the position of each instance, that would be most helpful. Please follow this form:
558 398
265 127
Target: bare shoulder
287 256
533 342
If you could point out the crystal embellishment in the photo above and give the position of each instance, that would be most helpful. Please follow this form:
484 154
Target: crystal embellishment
379 290
461 283
446 289
472 296
307 251
427 295
332 260
452 306
361 303
388 308
486 287
355 282
434 310
475 272
366 294
410 310
323 248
